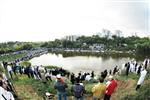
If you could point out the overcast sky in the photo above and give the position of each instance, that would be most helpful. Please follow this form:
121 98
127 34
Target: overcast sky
43 20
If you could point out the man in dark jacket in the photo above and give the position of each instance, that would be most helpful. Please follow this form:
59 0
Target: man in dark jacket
78 90
60 86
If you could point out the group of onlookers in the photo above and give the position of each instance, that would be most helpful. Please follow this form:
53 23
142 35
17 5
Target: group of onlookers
139 69
101 91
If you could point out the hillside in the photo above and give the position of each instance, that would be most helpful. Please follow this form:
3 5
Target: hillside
34 89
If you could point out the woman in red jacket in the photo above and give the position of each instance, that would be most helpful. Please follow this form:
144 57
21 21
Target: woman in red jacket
111 85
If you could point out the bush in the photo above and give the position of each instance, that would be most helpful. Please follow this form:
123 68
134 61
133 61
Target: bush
25 64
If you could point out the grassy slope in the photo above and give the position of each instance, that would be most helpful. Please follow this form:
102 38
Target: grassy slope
124 91
29 89
12 57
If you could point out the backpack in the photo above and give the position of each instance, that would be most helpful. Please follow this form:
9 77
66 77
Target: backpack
78 90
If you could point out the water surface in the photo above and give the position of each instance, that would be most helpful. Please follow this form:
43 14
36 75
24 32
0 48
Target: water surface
80 63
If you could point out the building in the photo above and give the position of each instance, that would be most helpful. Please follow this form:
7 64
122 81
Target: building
70 38
97 47
100 34
118 33
134 34
107 33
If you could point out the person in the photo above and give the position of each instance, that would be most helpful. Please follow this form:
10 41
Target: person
127 68
141 79
78 90
105 73
14 68
111 85
88 77
9 69
4 93
48 76
60 86
110 72
115 70
72 79
139 69
145 63
99 90
4 78
92 74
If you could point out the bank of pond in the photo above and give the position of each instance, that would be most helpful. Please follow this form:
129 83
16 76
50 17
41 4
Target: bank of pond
29 87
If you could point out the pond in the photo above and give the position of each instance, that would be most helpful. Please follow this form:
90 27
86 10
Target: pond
80 63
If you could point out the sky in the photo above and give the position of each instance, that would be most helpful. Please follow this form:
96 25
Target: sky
44 20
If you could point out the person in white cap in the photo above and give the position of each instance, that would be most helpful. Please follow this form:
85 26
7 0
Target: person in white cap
61 86
111 85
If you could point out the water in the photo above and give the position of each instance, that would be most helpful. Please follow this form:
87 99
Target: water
80 63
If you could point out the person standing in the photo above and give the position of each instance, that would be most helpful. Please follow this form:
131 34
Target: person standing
111 85
115 70
92 74
72 78
141 79
9 69
78 90
61 86
139 69
99 90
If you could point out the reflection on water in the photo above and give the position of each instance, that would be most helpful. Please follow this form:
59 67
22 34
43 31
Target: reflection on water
80 63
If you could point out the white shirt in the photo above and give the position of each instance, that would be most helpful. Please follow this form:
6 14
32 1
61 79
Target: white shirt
142 77
88 77
9 68
47 74
8 95
4 77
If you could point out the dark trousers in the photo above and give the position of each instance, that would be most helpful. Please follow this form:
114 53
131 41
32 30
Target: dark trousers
137 87
107 97
10 73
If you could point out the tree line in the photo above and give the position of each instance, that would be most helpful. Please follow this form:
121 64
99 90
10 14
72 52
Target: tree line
137 44
14 46
134 43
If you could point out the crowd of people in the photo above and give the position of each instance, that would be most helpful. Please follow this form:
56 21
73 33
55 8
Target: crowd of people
101 91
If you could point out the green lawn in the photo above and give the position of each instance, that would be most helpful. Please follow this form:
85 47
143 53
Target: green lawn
12 57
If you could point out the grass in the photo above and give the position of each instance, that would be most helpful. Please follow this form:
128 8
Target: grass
124 91
25 63
12 57
51 67
41 87
31 89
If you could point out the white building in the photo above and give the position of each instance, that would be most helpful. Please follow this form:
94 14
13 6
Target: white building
70 38
118 33
97 46
107 33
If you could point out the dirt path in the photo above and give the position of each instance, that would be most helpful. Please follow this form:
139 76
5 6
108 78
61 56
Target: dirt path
123 88
26 92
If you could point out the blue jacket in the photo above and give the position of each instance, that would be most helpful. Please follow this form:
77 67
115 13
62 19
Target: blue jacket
61 87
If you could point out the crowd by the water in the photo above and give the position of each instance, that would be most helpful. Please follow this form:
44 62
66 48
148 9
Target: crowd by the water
101 91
